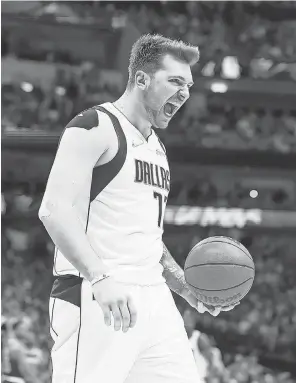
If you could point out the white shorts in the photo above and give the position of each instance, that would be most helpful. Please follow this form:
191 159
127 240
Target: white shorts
156 350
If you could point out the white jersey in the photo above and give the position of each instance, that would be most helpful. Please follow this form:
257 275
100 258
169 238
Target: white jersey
200 360
123 213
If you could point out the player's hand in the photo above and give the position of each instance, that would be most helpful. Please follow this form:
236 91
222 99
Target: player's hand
202 307
114 300
214 310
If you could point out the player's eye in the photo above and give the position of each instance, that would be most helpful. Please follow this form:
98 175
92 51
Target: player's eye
177 81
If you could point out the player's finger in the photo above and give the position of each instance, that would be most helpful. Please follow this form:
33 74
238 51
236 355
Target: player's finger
213 310
216 311
107 315
133 311
117 316
125 314
230 307
201 308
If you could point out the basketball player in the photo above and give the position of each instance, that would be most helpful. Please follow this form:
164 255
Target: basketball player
103 207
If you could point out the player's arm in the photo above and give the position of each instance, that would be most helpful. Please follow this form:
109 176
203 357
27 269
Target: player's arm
80 148
173 273
175 279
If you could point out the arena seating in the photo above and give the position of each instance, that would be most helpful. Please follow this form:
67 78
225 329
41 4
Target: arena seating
201 126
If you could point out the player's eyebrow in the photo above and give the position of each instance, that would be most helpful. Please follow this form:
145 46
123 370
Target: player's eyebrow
183 79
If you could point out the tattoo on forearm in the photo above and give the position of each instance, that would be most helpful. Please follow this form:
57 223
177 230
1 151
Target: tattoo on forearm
173 273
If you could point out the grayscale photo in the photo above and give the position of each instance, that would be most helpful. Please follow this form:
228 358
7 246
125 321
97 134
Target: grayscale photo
148 191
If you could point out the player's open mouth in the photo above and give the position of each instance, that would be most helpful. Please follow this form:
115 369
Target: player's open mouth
169 109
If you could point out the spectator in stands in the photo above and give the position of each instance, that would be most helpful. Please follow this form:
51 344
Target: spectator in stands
207 357
17 347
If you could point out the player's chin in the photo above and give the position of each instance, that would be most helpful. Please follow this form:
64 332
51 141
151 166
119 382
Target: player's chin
162 122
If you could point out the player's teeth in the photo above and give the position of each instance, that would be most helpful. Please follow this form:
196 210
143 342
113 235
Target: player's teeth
168 109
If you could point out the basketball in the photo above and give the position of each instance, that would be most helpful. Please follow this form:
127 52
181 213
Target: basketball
219 271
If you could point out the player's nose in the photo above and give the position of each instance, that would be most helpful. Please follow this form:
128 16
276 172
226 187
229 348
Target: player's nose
183 94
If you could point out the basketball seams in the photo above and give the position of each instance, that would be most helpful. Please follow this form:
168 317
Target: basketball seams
228 243
220 264
217 290
244 294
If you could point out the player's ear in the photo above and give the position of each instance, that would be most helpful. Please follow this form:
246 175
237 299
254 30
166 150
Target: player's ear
142 80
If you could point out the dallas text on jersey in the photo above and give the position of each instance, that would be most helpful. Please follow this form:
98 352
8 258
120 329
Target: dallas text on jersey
151 174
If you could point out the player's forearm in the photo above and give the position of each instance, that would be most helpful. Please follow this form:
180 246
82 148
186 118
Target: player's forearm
173 273
68 234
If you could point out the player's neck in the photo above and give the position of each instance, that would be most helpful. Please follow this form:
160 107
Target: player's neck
134 111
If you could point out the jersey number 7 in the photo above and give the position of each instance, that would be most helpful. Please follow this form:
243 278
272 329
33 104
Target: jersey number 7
161 203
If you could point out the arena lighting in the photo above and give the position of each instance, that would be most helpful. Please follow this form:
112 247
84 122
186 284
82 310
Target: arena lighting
253 194
219 87
27 87
213 216
231 68
61 91
207 216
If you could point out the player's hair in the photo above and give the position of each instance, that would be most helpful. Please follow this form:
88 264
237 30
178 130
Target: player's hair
148 51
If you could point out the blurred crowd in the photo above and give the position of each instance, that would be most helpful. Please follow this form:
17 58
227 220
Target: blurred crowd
25 282
217 367
259 36
236 39
198 189
264 322
198 123
25 197
204 125
28 106
245 31
267 315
